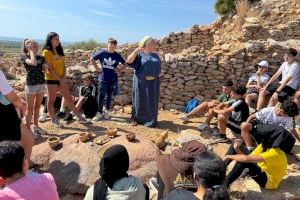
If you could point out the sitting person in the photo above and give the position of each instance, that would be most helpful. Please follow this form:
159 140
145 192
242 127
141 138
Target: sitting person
236 112
87 98
290 71
115 183
266 164
257 81
175 170
209 174
16 182
281 116
205 106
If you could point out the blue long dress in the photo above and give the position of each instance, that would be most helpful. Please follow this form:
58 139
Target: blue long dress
145 92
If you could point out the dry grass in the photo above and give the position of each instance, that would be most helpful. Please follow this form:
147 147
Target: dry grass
243 10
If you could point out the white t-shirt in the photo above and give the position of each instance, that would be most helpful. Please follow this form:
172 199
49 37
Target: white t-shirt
292 70
268 116
263 78
5 89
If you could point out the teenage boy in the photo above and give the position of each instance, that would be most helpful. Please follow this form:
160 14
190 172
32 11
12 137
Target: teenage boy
280 116
236 112
15 180
290 71
257 81
109 59
205 106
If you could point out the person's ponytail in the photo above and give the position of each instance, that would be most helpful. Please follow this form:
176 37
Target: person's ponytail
219 193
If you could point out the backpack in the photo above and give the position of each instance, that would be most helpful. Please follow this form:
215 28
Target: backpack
191 105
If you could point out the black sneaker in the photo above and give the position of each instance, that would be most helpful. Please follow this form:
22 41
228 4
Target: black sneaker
69 117
60 114
219 139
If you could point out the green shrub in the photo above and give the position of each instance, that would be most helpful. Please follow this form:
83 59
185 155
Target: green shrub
225 7
86 45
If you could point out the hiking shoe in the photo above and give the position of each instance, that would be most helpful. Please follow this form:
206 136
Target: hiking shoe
38 131
184 118
81 120
43 117
153 184
98 117
60 115
69 117
56 122
203 127
219 139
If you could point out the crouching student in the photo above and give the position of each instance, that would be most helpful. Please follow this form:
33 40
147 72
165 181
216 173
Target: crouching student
236 112
87 98
17 183
209 174
115 183
281 116
267 163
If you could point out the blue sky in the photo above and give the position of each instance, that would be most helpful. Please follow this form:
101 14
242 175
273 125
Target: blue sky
126 20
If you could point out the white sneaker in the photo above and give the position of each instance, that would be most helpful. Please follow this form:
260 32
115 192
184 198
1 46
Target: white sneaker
43 117
106 114
203 127
98 117
184 118
81 120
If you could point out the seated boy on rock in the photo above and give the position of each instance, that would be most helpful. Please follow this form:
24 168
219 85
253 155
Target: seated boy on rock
15 180
232 115
206 105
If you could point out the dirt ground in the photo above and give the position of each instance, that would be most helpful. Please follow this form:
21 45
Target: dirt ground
167 120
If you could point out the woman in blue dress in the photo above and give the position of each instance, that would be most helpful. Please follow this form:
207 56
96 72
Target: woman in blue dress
145 92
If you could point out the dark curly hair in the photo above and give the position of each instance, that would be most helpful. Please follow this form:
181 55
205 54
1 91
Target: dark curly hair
290 108
210 172
292 52
11 158
239 89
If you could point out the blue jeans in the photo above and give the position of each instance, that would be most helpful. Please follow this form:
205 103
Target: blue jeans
105 89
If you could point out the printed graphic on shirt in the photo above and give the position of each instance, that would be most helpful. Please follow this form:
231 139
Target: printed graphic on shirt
108 63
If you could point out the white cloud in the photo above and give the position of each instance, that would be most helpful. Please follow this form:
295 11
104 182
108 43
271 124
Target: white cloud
101 13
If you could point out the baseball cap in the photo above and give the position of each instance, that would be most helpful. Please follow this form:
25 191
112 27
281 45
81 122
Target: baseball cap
263 64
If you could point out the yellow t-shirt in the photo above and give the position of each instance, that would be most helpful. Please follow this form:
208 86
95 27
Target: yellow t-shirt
274 165
56 61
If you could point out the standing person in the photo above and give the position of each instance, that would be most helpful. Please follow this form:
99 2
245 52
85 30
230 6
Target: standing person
109 59
209 174
145 94
290 71
257 81
35 82
10 123
55 77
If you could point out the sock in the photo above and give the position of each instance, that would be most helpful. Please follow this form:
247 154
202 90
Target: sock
250 148
62 110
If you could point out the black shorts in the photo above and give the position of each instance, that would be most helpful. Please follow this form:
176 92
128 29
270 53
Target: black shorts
233 125
287 89
9 123
52 82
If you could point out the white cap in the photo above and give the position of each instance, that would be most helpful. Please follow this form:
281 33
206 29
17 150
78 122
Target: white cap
264 64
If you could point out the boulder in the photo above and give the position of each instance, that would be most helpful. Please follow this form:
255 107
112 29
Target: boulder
75 166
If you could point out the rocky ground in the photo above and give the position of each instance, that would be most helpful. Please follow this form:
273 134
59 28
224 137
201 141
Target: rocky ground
79 161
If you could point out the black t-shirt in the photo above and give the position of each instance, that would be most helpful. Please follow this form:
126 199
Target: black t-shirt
35 74
240 111
180 194
87 91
